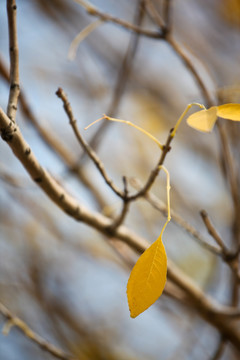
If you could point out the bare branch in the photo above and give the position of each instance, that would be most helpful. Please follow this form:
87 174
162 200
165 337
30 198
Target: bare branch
154 14
167 4
14 62
232 178
189 65
92 10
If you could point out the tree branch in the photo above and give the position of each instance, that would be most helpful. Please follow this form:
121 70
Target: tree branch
14 61
92 10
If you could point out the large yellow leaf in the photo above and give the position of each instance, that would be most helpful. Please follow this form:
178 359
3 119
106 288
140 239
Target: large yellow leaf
147 279
203 120
229 111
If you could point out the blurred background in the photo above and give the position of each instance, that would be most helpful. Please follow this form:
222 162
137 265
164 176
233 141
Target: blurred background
62 277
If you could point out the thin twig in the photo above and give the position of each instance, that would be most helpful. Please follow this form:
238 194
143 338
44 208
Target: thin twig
92 10
176 218
127 63
91 153
154 14
14 61
190 66
13 320
167 5
123 76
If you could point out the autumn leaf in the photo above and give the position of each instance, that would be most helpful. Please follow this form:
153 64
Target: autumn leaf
203 120
147 279
229 111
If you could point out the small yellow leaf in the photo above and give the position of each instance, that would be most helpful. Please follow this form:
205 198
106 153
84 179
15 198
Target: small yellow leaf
147 279
229 111
203 120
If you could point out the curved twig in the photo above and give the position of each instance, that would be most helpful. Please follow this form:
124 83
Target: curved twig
92 10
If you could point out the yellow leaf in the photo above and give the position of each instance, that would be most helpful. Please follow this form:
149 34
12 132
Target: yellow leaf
229 111
147 279
203 120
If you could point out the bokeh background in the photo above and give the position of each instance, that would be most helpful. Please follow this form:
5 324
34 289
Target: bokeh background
63 278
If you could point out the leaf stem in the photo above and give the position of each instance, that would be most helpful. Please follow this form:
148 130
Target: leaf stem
168 199
183 115
128 123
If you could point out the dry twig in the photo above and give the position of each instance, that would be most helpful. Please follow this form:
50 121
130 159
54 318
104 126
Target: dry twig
92 10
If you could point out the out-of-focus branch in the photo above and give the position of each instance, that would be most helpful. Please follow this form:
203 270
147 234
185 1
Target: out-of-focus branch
91 153
154 14
12 180
92 10
190 66
232 178
167 5
14 67
13 320
178 49
123 75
